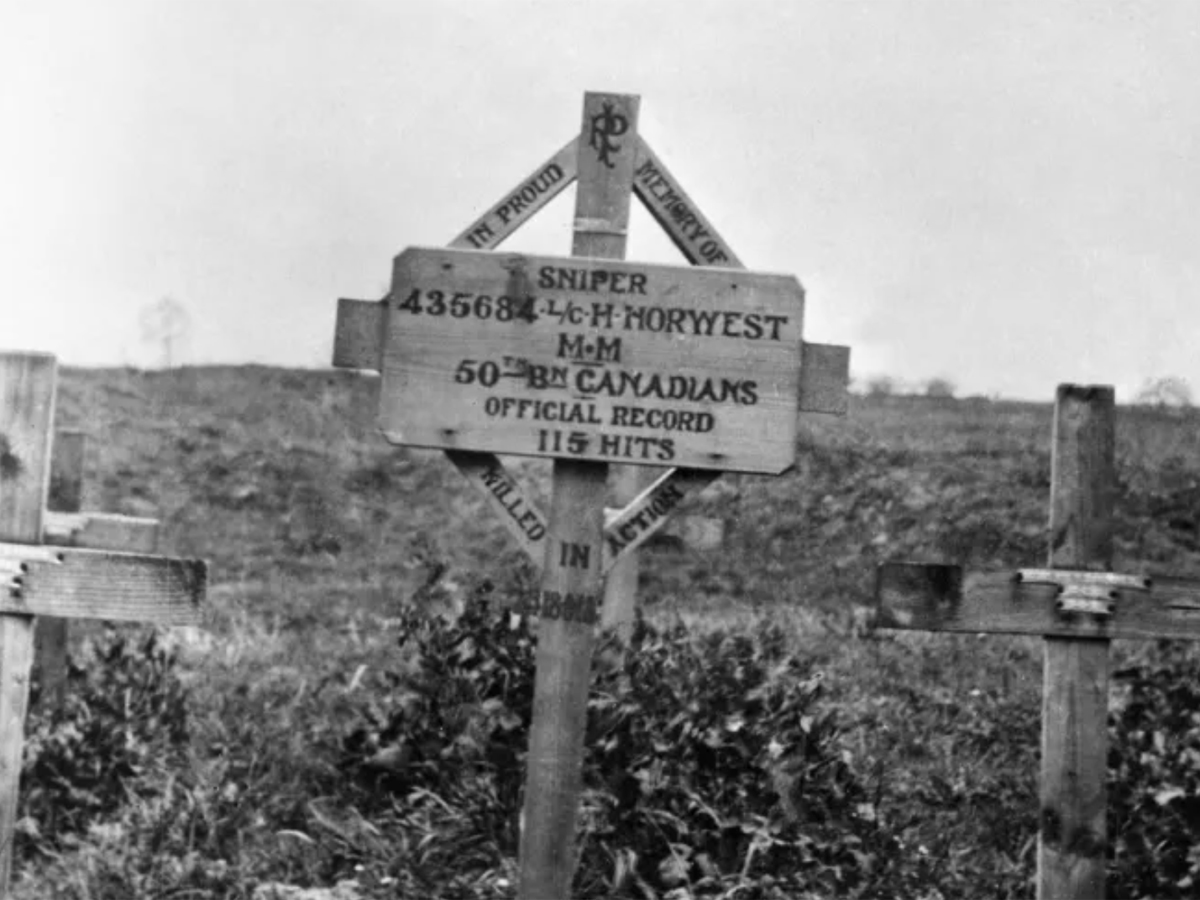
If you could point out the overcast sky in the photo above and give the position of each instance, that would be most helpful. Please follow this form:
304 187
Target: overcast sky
1006 194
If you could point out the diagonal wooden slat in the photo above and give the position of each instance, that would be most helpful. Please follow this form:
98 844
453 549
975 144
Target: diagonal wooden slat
648 512
665 200
523 202
520 515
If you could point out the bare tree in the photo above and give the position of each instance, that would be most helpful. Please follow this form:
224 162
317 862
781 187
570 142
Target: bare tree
1165 392
166 323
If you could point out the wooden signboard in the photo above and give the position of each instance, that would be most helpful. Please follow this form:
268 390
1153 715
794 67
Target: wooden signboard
601 360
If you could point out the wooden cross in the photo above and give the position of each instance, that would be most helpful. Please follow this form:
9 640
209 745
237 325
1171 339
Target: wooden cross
65 525
361 342
37 579
540 338
1078 605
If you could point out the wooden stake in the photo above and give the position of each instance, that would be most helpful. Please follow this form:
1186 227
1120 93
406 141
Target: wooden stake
620 587
66 471
564 656
1072 831
574 551
26 416
51 635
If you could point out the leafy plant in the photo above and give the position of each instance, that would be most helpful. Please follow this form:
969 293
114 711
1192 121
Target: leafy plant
709 761
124 718
1154 779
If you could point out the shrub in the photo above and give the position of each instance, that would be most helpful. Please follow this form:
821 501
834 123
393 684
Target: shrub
708 761
940 388
1154 780
710 765
124 717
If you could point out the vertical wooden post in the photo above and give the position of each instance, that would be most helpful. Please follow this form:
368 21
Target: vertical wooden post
574 549
66 471
620 588
26 417
564 657
1072 830
51 634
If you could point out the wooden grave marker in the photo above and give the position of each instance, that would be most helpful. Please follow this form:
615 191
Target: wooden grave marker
1078 605
37 579
362 339
587 360
65 525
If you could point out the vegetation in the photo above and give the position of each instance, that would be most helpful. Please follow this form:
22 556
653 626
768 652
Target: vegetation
352 722
940 387
1166 392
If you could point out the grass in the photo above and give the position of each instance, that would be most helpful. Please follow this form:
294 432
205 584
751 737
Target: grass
319 534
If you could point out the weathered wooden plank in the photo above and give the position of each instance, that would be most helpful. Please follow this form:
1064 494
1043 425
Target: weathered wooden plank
519 514
520 204
593 359
26 414
26 417
554 766
941 598
620 584
358 334
679 217
649 512
16 663
97 584
1072 833
101 531
825 379
606 235
574 547
825 374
